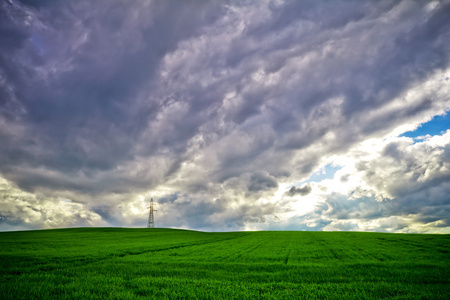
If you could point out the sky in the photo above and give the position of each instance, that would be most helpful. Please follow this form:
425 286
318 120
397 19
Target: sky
231 115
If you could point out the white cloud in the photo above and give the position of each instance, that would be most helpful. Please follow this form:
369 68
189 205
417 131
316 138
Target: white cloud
396 185
22 210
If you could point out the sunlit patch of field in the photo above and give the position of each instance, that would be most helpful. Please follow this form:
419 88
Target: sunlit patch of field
118 263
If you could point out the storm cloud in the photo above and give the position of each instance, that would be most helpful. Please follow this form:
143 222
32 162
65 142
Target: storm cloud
302 191
222 111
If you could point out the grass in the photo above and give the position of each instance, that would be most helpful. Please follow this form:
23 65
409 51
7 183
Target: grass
118 263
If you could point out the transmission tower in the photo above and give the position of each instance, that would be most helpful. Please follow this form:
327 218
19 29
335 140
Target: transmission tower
151 220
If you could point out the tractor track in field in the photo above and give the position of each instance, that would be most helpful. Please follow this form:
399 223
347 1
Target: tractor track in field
234 256
84 261
176 247
286 260
289 247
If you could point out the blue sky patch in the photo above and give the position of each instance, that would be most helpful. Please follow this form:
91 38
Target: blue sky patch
326 172
435 126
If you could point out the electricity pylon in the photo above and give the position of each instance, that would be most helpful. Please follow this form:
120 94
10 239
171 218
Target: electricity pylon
151 220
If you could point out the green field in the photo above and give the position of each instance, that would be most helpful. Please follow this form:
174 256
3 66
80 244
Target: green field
119 263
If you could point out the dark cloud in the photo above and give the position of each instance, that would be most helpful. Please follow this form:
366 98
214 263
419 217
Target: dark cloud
104 101
302 191
82 99
169 198
261 181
